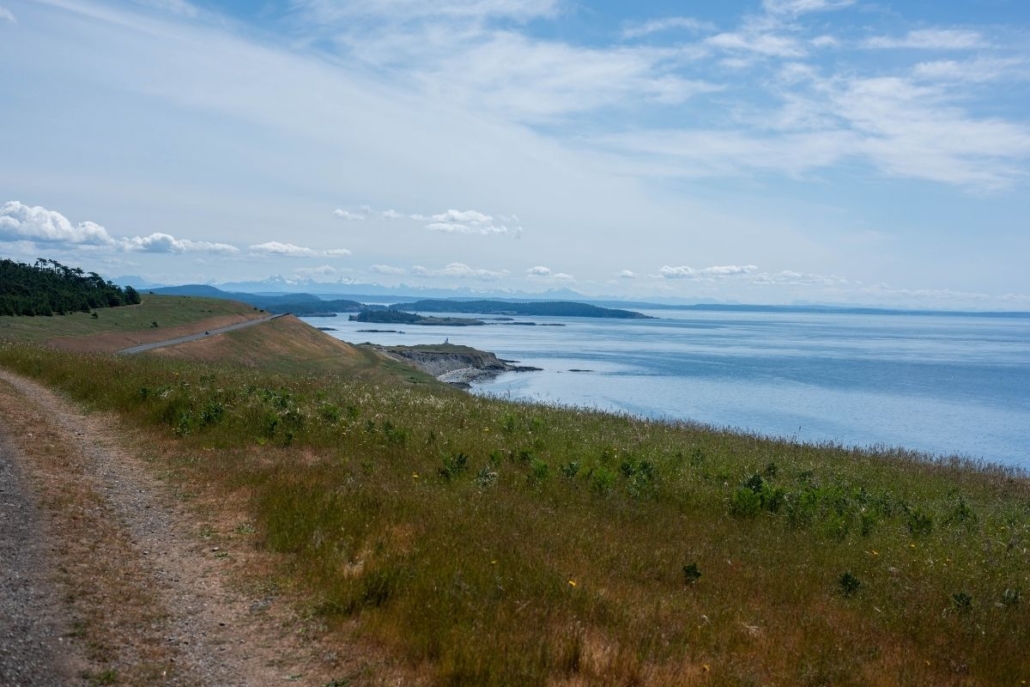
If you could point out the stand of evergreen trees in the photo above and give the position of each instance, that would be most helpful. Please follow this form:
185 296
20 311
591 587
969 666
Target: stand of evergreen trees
50 288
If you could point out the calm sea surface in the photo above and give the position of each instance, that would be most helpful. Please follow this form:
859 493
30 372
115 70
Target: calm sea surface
941 384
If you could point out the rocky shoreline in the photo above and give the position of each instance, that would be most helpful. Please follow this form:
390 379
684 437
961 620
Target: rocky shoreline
459 366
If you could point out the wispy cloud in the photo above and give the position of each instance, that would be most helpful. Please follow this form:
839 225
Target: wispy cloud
903 127
761 43
165 243
286 250
346 214
180 7
799 7
546 273
794 278
930 39
667 24
388 270
979 70
469 222
289 250
333 12
7 16
460 270
707 273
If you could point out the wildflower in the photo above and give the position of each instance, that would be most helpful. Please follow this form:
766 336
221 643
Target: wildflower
414 475
572 583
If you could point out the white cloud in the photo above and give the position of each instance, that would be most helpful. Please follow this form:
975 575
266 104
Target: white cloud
469 216
797 7
337 11
461 271
466 222
345 214
287 250
523 78
391 214
166 243
7 15
388 269
626 274
825 42
980 70
667 24
768 44
901 127
20 222
541 272
930 39
792 278
708 273
180 7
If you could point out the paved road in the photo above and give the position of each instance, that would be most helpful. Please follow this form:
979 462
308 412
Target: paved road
195 337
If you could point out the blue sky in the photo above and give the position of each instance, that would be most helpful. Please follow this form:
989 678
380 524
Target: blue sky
776 151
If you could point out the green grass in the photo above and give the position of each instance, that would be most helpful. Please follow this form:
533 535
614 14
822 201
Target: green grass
167 311
497 543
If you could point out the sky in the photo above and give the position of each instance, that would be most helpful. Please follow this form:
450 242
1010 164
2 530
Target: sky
861 152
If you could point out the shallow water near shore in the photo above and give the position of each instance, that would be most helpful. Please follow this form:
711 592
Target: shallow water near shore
943 384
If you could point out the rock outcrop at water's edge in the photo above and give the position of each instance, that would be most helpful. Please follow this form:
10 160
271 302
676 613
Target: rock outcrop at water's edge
458 366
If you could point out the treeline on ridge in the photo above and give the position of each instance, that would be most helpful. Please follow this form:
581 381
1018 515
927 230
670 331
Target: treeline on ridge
50 288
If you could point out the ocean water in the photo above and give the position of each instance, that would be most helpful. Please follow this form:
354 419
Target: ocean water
942 384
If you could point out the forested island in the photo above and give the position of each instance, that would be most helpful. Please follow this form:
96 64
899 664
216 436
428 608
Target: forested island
538 309
50 288
400 317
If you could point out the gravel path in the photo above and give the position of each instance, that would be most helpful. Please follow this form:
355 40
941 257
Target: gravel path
194 337
176 612
31 645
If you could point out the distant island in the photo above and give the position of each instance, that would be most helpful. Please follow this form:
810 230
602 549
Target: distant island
532 309
401 317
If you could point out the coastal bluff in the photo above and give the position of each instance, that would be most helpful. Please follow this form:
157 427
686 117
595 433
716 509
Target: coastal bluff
456 365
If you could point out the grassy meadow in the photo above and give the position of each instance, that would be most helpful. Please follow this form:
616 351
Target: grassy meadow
494 543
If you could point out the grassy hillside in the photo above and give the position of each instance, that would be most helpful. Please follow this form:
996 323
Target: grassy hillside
166 311
493 543
290 346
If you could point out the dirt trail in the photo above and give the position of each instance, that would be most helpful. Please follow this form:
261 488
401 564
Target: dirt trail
32 645
144 598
